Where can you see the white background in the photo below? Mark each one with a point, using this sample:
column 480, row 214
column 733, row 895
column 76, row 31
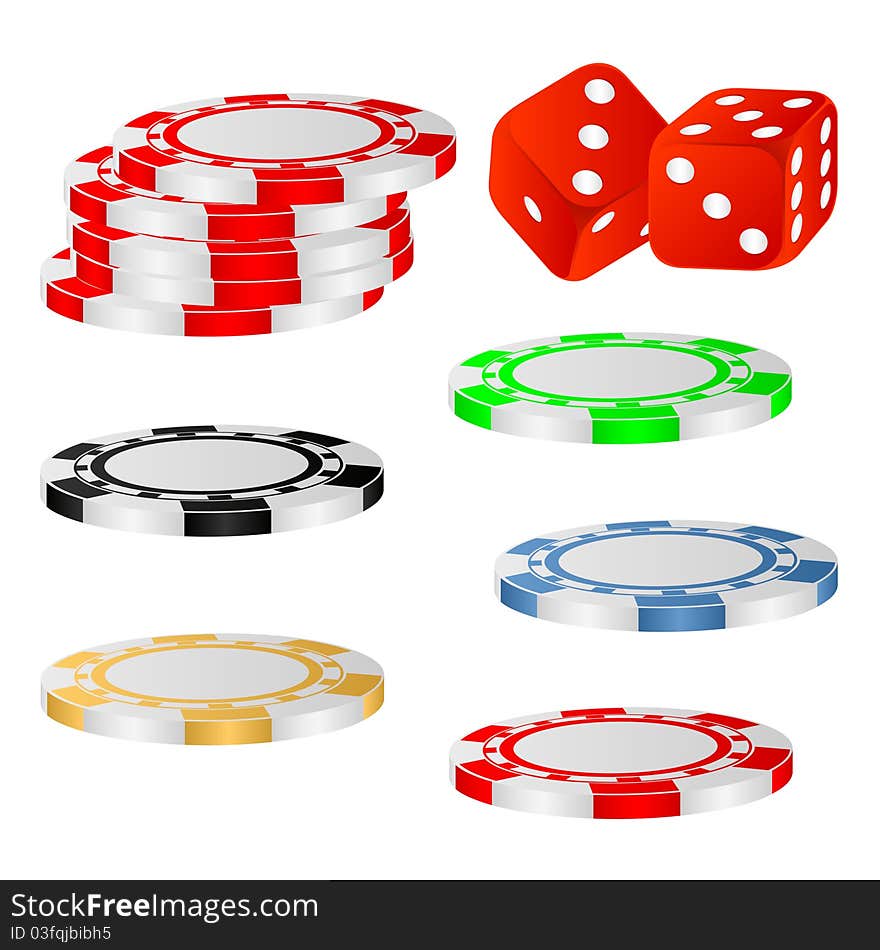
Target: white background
column 410, row 582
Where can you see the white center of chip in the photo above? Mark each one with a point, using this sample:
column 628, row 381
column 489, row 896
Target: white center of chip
column 277, row 133
column 225, row 673
column 206, row 465
column 660, row 560
column 614, row 372
column 615, row 747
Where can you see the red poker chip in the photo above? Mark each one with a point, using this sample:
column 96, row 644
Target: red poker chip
column 621, row 763
column 65, row 294
column 284, row 148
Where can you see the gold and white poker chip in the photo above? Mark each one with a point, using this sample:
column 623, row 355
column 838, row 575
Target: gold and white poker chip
column 212, row 689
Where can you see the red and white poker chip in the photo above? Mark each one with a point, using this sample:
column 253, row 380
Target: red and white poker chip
column 94, row 192
column 621, row 763
column 242, row 260
column 290, row 148
column 65, row 294
column 242, row 295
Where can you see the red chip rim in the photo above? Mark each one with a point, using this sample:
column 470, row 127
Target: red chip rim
column 68, row 296
column 710, row 762
column 408, row 148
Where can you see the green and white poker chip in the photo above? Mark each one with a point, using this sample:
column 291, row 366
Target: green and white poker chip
column 620, row 387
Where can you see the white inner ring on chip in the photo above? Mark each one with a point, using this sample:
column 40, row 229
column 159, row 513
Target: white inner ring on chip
column 615, row 747
column 200, row 675
column 275, row 133
column 205, row 465
column 655, row 560
column 614, row 372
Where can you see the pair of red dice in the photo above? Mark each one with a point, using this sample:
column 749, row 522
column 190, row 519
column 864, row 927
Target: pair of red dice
column 587, row 170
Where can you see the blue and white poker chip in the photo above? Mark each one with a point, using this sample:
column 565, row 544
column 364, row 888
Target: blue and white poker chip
column 666, row 575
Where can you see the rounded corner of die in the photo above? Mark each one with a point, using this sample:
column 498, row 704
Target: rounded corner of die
column 659, row 252
column 825, row 104
column 780, row 259
column 829, row 207
column 829, row 114
column 572, row 276
column 606, row 68
column 662, row 150
column 660, row 142
column 501, row 139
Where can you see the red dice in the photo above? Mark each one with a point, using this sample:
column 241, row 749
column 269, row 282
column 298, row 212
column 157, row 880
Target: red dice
column 569, row 170
column 744, row 179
